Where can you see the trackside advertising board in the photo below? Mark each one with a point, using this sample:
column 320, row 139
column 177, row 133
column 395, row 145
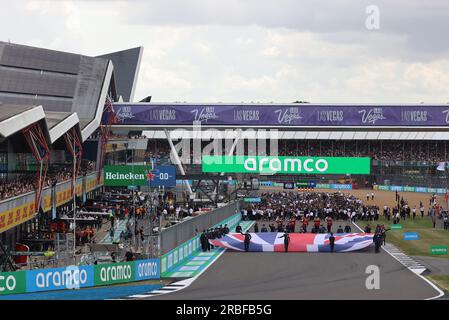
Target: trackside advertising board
column 438, row 250
column 72, row 277
column 114, row 273
column 76, row 277
column 410, row 189
column 12, row 282
column 287, row 165
column 147, row 269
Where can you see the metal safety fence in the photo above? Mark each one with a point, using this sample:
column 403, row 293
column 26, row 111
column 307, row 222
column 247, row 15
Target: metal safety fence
column 175, row 235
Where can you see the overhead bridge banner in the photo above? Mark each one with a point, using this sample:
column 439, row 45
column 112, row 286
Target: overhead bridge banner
column 299, row 242
column 282, row 115
column 286, row 165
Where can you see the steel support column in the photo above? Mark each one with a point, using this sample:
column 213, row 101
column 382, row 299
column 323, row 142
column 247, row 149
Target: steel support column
column 105, row 131
column 75, row 148
column 41, row 152
column 178, row 161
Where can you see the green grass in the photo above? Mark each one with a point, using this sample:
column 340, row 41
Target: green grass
column 428, row 236
column 441, row 280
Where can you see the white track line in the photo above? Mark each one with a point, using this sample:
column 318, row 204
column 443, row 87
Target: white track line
column 440, row 292
column 189, row 281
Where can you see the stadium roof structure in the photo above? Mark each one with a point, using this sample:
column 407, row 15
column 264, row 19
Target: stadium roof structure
column 68, row 90
column 126, row 70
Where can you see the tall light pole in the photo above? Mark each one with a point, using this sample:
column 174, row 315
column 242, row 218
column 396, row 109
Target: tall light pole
column 133, row 195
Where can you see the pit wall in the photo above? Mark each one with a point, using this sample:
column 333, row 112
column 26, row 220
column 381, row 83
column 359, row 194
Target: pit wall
column 410, row 189
column 186, row 250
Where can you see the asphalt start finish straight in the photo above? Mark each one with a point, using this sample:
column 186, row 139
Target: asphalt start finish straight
column 293, row 276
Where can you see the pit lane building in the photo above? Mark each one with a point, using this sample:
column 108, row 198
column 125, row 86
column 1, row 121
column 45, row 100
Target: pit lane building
column 51, row 107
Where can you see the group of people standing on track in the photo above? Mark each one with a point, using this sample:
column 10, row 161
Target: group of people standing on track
column 315, row 212
column 210, row 234
column 289, row 207
column 380, row 236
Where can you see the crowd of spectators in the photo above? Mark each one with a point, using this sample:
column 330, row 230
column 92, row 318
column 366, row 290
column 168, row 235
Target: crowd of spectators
column 423, row 151
column 125, row 136
column 157, row 150
column 117, row 135
column 284, row 206
column 23, row 183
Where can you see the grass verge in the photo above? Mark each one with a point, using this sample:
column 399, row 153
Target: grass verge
column 440, row 280
column 428, row 236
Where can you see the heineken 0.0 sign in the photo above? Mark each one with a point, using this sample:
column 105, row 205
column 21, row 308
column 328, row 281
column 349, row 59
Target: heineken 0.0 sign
column 289, row 165
column 123, row 176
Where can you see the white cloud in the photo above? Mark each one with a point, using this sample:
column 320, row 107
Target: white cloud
column 234, row 51
column 72, row 15
column 271, row 51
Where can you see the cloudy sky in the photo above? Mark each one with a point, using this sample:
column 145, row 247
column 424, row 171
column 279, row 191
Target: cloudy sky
column 255, row 50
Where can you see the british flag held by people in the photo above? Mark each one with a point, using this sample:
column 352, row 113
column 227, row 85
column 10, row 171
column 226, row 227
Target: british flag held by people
column 299, row 242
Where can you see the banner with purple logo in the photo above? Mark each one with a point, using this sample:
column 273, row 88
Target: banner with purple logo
column 281, row 115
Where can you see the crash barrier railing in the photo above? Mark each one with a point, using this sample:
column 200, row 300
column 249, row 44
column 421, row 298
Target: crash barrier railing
column 179, row 233
column 183, row 252
column 75, row 277
column 43, row 263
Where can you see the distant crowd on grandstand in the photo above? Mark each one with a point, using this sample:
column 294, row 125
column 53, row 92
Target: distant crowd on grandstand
column 432, row 152
column 20, row 183
column 423, row 151
column 280, row 212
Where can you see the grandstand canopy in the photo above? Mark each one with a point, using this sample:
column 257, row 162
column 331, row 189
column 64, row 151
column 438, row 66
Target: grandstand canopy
column 59, row 81
column 70, row 89
column 14, row 118
column 126, row 69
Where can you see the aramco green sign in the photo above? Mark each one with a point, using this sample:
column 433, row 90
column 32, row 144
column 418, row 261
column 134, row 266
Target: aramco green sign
column 286, row 165
column 122, row 176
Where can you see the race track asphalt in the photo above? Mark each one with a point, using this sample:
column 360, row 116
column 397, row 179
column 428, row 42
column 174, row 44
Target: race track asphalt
column 273, row 276
column 298, row 276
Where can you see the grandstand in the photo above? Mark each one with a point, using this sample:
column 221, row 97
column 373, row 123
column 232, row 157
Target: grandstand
column 64, row 115
column 407, row 143
column 52, row 142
